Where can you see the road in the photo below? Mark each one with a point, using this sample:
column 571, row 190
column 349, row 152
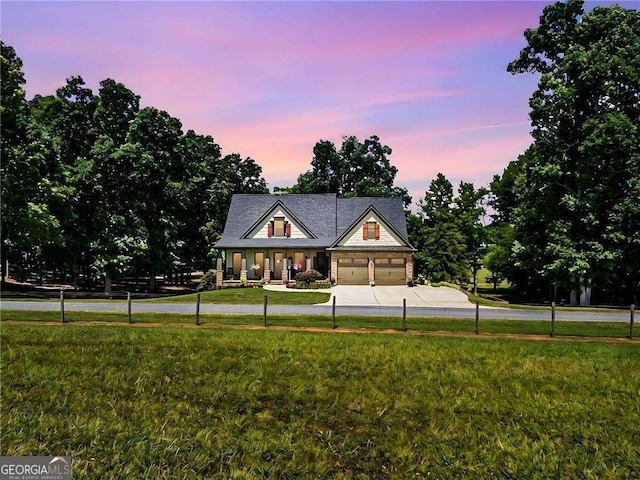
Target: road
column 351, row 310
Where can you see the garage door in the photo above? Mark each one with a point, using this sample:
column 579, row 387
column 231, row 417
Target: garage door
column 390, row 271
column 353, row 271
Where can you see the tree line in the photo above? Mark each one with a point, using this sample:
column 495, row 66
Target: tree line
column 94, row 185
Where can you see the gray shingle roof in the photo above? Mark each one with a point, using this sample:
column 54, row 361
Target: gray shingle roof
column 391, row 208
column 324, row 215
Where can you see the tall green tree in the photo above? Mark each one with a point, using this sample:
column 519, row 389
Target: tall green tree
column 442, row 255
column 28, row 193
column 116, row 107
column 358, row 169
column 586, row 117
column 470, row 211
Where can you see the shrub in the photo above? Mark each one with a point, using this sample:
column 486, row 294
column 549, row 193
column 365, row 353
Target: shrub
column 305, row 285
column 208, row 281
column 308, row 276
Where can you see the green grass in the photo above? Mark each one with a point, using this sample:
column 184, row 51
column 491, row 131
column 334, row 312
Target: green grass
column 180, row 403
column 527, row 327
column 247, row 296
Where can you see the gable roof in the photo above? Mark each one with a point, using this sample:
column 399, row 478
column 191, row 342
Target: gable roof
column 391, row 209
column 323, row 215
column 279, row 206
column 356, row 223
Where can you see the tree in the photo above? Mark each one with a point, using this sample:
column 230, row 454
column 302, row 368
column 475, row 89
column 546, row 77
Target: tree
column 586, row 119
column 116, row 108
column 499, row 253
column 469, row 210
column 442, row 255
column 358, row 169
column 28, row 192
column 505, row 189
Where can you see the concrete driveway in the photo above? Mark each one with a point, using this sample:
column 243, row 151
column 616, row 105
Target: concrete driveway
column 418, row 296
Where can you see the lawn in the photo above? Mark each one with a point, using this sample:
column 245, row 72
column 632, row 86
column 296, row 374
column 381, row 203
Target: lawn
column 527, row 327
column 247, row 296
column 223, row 403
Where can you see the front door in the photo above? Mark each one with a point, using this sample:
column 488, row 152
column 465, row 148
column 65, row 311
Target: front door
column 321, row 263
column 237, row 264
column 278, row 259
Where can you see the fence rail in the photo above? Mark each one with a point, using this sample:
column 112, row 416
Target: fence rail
column 400, row 318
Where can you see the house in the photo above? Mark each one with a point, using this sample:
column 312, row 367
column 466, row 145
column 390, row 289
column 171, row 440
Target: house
column 352, row 241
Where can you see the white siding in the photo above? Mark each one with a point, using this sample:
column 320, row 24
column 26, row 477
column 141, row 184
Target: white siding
column 262, row 231
column 387, row 238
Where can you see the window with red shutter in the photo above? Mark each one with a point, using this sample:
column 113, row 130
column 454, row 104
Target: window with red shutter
column 377, row 231
column 270, row 229
column 371, row 230
column 288, row 229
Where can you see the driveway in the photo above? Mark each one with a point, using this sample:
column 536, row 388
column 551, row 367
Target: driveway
column 387, row 296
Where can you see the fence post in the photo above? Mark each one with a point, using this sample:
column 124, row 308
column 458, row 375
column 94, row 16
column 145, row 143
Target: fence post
column 198, row 308
column 62, row 306
column 553, row 318
column 477, row 317
column 333, row 313
column 265, row 311
column 129, row 306
column 633, row 308
column 404, row 314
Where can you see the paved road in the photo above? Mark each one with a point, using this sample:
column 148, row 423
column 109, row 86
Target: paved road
column 453, row 312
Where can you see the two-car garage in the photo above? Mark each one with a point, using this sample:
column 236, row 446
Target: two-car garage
column 354, row 270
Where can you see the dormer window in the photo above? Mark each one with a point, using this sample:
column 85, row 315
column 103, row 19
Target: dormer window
column 279, row 227
column 371, row 231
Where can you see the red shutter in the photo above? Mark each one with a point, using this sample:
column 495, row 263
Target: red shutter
column 377, row 231
column 364, row 232
column 270, row 229
column 288, row 229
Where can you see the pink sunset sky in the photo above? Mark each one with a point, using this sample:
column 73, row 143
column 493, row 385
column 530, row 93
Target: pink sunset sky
column 270, row 79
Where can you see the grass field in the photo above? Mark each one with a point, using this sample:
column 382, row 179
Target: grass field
column 182, row 403
column 527, row 327
column 247, row 296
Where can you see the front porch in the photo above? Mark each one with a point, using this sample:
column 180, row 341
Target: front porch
column 271, row 266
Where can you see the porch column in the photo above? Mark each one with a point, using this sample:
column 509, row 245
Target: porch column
column 372, row 271
column 243, row 272
column 285, row 270
column 334, row 268
column 409, row 268
column 219, row 272
column 308, row 262
column 267, row 270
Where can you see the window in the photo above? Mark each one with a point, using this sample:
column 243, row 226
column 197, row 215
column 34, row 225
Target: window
column 278, row 227
column 237, row 263
column 371, row 231
column 298, row 259
column 259, row 262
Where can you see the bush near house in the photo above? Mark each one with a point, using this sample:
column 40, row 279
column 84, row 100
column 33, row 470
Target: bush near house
column 312, row 285
column 308, row 276
column 208, row 281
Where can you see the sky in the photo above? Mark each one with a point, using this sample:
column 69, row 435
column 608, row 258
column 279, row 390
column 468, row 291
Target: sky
column 270, row 79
